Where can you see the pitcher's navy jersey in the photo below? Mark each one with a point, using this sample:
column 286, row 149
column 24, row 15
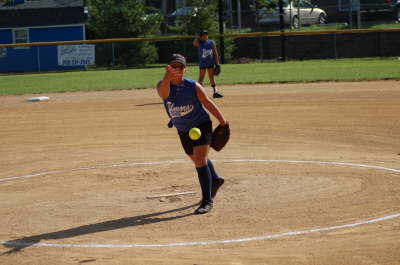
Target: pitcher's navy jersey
column 206, row 53
column 183, row 106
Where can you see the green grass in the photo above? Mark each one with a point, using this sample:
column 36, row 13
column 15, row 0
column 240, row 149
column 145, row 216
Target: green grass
column 384, row 26
column 267, row 72
column 338, row 26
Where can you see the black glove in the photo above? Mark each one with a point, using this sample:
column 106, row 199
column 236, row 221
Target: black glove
column 217, row 69
column 220, row 137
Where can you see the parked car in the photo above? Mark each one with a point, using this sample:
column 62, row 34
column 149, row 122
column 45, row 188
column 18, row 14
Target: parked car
column 180, row 12
column 295, row 13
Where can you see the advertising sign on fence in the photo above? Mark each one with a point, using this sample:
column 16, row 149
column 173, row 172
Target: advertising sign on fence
column 3, row 52
column 76, row 55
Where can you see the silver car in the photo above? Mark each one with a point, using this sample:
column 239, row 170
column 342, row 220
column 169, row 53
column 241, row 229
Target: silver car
column 181, row 12
column 296, row 13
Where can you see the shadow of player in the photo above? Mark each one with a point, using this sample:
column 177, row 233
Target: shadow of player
column 149, row 104
column 24, row 242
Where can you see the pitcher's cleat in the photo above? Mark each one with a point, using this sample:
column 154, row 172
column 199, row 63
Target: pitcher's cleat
column 216, row 186
column 204, row 207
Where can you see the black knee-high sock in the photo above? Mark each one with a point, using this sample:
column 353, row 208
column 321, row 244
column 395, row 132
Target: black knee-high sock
column 205, row 179
column 214, row 173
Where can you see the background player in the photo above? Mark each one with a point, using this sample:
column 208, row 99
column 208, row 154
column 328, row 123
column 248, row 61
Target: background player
column 208, row 57
column 186, row 102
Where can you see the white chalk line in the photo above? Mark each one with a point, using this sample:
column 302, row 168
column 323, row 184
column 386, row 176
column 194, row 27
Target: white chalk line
column 128, row 164
column 194, row 243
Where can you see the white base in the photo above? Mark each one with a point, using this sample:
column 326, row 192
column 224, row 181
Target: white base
column 37, row 99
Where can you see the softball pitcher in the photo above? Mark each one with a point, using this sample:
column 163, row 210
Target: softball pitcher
column 186, row 103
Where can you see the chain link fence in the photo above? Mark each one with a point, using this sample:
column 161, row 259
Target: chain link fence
column 242, row 48
column 313, row 29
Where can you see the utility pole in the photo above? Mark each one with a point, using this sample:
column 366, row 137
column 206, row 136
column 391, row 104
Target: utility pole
column 239, row 14
column 282, row 26
column 221, row 29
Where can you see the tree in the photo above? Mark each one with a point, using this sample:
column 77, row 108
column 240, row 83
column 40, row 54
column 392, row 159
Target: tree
column 125, row 19
column 204, row 16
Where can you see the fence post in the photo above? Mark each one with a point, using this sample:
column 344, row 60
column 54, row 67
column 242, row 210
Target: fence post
column 113, row 53
column 378, row 43
column 334, row 46
column 184, row 47
column 38, row 57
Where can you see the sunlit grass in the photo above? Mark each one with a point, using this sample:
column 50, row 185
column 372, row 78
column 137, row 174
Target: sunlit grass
column 267, row 72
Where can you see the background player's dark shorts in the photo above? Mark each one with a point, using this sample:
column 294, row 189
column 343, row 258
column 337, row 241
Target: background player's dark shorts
column 205, row 138
column 207, row 66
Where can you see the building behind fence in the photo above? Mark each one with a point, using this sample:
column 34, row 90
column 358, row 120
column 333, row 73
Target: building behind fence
column 39, row 21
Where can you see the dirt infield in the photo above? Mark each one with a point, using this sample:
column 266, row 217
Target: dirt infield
column 76, row 173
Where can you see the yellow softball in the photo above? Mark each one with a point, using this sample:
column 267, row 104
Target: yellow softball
column 194, row 133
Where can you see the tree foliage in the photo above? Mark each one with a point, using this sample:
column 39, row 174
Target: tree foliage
column 121, row 18
column 204, row 16
column 125, row 19
column 257, row 4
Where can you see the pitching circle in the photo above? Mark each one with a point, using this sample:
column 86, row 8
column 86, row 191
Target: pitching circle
column 194, row 243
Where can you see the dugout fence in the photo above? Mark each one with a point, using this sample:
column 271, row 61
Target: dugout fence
column 243, row 47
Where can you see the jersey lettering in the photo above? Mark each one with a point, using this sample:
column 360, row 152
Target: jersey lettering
column 179, row 111
column 206, row 53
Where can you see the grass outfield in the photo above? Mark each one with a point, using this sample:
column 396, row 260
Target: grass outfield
column 268, row 72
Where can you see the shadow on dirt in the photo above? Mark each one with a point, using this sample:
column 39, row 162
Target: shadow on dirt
column 21, row 243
